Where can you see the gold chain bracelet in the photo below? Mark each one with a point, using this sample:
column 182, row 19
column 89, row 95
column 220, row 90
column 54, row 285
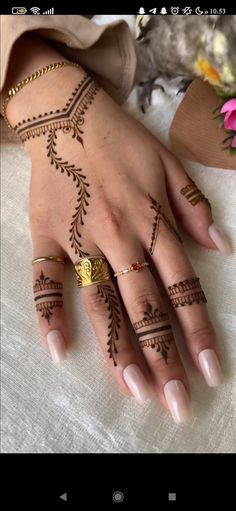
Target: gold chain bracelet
column 13, row 91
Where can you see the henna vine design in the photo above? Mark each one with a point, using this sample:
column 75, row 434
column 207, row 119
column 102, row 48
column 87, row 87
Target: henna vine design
column 82, row 197
column 186, row 292
column 50, row 298
column 68, row 120
column 159, row 216
column 154, row 331
column 110, row 298
column 193, row 195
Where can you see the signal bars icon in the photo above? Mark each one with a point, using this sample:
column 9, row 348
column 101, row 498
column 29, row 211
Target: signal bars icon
column 50, row 11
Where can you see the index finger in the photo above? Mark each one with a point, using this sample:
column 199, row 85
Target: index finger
column 189, row 300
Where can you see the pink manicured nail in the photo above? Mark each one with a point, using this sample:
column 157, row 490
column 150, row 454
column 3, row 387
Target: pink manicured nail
column 219, row 239
column 56, row 345
column 210, row 367
column 136, row 382
column 178, row 401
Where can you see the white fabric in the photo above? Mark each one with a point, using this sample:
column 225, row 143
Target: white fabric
column 76, row 407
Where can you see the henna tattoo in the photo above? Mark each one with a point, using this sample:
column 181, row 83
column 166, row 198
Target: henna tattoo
column 186, row 292
column 193, row 195
column 82, row 197
column 154, row 331
column 68, row 120
column 109, row 295
column 159, row 216
column 53, row 298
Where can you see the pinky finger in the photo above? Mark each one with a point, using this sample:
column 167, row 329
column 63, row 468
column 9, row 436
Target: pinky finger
column 48, row 278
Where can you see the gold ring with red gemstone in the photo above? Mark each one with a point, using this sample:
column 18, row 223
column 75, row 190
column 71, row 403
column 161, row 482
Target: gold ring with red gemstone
column 133, row 267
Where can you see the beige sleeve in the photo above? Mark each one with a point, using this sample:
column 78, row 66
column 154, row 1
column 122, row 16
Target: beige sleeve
column 107, row 51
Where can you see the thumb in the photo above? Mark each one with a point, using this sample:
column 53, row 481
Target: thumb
column 191, row 208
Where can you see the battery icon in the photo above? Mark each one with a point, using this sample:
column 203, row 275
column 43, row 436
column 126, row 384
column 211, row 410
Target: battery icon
column 19, row 10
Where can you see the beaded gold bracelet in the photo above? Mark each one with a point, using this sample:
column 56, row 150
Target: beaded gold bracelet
column 13, row 91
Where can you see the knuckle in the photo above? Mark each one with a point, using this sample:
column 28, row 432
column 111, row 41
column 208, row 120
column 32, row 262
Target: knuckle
column 141, row 301
column 202, row 334
column 110, row 221
column 39, row 218
column 95, row 302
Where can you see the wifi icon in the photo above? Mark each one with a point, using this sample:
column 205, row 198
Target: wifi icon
column 35, row 10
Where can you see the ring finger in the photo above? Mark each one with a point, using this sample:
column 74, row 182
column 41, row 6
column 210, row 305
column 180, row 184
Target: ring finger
column 151, row 323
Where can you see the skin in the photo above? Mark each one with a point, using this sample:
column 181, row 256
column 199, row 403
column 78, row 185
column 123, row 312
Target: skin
column 123, row 163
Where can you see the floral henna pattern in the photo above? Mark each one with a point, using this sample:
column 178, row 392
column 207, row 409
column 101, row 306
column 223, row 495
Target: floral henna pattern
column 110, row 298
column 186, row 292
column 82, row 197
column 48, row 295
column 159, row 216
column 154, row 330
column 68, row 120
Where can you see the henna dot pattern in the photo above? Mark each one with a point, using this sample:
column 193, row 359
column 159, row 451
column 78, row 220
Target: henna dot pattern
column 158, row 218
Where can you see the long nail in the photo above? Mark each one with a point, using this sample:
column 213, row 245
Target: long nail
column 210, row 367
column 136, row 382
column 56, row 345
column 178, row 401
column 220, row 240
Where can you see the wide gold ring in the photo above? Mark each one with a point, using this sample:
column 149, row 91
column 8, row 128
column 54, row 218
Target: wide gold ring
column 92, row 270
column 133, row 267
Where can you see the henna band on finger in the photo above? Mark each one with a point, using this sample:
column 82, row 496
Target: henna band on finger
column 186, row 292
column 48, row 296
column 193, row 195
column 154, row 331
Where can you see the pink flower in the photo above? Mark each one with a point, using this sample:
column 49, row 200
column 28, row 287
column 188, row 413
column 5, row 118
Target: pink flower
column 229, row 109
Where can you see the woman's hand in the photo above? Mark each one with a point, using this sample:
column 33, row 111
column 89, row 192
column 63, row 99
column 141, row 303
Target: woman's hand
column 103, row 185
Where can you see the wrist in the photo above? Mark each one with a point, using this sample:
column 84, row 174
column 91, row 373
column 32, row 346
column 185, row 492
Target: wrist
column 46, row 93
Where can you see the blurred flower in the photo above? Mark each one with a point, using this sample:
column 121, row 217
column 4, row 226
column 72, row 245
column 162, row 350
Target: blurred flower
column 207, row 71
column 228, row 112
column 229, row 109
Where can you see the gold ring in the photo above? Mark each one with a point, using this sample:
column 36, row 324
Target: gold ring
column 92, row 270
column 49, row 258
column 133, row 267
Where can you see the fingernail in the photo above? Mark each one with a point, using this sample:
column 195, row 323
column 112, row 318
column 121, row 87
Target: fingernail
column 210, row 367
column 220, row 240
column 56, row 345
column 136, row 382
column 178, row 401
